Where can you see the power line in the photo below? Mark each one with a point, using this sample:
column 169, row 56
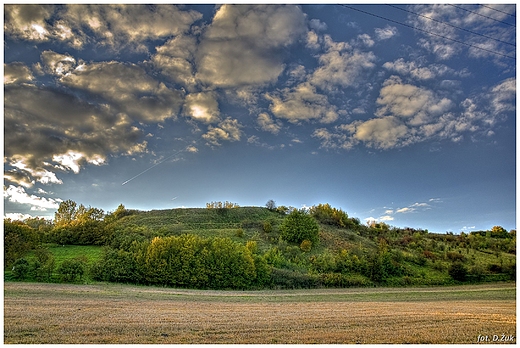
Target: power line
column 428, row 32
column 453, row 26
column 495, row 9
column 481, row 15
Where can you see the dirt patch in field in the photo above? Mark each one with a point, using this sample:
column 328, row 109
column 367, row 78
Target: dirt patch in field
column 50, row 313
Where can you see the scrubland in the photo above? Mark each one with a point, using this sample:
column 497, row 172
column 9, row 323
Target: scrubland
column 113, row 313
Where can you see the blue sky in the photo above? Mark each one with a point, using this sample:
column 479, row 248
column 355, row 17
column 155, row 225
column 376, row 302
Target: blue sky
column 396, row 113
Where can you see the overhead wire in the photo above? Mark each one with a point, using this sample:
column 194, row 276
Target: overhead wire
column 451, row 25
column 481, row 15
column 495, row 9
column 429, row 32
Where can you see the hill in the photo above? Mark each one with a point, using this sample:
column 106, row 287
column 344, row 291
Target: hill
column 226, row 246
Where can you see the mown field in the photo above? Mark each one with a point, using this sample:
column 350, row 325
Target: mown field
column 115, row 313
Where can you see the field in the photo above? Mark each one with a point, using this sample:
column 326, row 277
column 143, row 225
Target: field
column 114, row 313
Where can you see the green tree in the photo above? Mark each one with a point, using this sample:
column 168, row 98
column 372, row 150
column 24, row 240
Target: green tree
column 71, row 270
column 66, row 213
column 329, row 215
column 271, row 205
column 299, row 226
column 18, row 240
column 44, row 264
column 458, row 271
column 21, row 269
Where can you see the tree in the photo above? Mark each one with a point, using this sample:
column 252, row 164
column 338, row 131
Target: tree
column 43, row 264
column 20, row 269
column 458, row 271
column 72, row 269
column 66, row 213
column 329, row 215
column 271, row 205
column 18, row 240
column 299, row 226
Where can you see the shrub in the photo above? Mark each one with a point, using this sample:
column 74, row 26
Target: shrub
column 287, row 279
column 20, row 269
column 458, row 271
column 72, row 269
column 239, row 233
column 329, row 215
column 306, row 245
column 299, row 226
column 44, row 264
column 268, row 228
column 454, row 256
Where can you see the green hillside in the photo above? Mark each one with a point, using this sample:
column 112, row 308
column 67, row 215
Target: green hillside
column 226, row 246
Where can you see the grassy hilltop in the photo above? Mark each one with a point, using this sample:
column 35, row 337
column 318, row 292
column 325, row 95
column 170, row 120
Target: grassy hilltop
column 226, row 246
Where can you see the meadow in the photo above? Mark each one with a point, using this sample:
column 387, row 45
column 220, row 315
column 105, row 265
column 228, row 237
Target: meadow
column 39, row 313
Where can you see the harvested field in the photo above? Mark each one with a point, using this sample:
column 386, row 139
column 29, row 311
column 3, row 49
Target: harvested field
column 108, row 313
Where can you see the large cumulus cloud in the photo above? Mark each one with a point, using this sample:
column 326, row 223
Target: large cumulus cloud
column 244, row 44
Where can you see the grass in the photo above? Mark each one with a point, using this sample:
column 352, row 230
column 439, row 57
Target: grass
column 61, row 253
column 114, row 313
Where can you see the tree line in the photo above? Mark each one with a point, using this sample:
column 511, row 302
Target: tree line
column 366, row 254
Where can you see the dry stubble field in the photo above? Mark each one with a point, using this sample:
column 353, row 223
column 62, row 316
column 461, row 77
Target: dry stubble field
column 108, row 313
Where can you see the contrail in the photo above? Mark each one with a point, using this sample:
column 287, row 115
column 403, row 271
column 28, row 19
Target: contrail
column 155, row 165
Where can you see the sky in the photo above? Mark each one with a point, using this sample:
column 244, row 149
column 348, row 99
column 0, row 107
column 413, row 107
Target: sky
column 403, row 114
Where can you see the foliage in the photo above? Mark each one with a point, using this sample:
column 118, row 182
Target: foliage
column 184, row 261
column 249, row 247
column 299, row 226
column 221, row 205
column 44, row 264
column 326, row 214
column 19, row 238
column 458, row 271
column 20, row 269
column 306, row 245
column 271, row 205
column 71, row 270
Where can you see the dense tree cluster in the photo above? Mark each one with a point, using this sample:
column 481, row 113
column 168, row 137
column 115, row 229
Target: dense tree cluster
column 184, row 261
column 271, row 247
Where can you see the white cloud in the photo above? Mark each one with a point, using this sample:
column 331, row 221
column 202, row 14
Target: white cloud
column 341, row 66
column 57, row 64
column 19, row 195
column 381, row 133
column 267, row 124
column 128, row 88
column 417, row 105
column 72, row 160
column 385, row 33
column 243, row 44
column 15, row 73
column 366, row 40
column 202, row 107
column 17, row 216
column 386, row 218
column 302, row 103
column 175, row 60
column 228, row 130
column 115, row 26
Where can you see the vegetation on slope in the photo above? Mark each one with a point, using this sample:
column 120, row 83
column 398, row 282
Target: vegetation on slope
column 224, row 246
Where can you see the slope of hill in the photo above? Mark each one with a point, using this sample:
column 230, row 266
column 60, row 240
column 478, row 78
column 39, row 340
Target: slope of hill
column 246, row 247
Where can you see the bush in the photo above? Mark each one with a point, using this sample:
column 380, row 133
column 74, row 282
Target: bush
column 21, row 269
column 287, row 279
column 43, row 265
column 299, row 226
column 71, row 270
column 458, row 271
column 306, row 245
column 330, row 216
